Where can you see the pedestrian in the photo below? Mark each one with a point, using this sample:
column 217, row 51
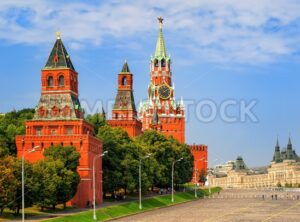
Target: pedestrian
column 263, row 196
column 272, row 196
column 275, row 196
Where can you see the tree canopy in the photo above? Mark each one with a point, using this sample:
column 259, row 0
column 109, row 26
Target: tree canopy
column 12, row 124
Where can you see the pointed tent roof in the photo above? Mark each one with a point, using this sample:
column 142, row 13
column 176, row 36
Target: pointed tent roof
column 277, row 143
column 125, row 67
column 160, row 51
column 290, row 141
column 59, row 57
column 289, row 145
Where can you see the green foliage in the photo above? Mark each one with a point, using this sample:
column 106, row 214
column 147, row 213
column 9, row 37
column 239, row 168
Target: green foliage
column 202, row 176
column 12, row 124
column 10, row 183
column 120, row 166
column 68, row 155
column 49, row 182
column 165, row 151
column 122, row 156
column 68, row 177
column 97, row 120
column 46, row 182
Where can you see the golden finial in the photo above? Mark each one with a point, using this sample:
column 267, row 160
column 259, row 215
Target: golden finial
column 57, row 35
column 160, row 20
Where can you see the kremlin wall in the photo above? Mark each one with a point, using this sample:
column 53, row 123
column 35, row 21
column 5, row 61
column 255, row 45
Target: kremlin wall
column 59, row 118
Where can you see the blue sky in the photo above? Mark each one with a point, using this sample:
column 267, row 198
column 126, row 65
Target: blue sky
column 221, row 51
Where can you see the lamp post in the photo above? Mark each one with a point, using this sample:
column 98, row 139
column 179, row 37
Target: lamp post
column 173, row 164
column 94, row 186
column 140, row 179
column 23, row 180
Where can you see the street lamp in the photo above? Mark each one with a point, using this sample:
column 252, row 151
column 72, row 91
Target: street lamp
column 23, row 182
column 94, row 187
column 173, row 164
column 140, row 179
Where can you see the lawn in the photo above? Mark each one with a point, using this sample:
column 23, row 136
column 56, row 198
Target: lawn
column 125, row 209
column 31, row 211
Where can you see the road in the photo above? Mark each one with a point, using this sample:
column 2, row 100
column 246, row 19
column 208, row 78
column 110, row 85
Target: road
column 229, row 206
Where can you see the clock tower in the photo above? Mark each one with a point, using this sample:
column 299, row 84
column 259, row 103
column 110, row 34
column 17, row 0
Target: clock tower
column 161, row 111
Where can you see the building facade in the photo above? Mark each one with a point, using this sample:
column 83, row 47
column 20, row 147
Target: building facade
column 124, row 113
column 59, row 120
column 161, row 111
column 283, row 171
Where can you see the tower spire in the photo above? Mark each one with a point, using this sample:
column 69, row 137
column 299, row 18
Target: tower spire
column 160, row 51
column 290, row 141
column 59, row 57
column 125, row 67
column 277, row 142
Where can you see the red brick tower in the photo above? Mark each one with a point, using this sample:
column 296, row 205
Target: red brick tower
column 124, row 112
column 200, row 160
column 161, row 96
column 58, row 120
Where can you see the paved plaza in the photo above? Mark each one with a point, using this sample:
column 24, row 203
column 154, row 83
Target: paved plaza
column 230, row 205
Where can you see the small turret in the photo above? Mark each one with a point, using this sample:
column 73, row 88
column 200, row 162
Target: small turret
column 240, row 164
column 277, row 155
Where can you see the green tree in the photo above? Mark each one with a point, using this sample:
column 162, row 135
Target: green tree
column 12, row 124
column 8, row 182
column 165, row 151
column 69, row 177
column 97, row 120
column 46, row 182
column 114, row 140
column 68, row 155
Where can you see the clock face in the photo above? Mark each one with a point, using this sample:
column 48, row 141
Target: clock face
column 164, row 92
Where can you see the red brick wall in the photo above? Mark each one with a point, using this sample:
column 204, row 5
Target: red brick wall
column 200, row 160
column 85, row 144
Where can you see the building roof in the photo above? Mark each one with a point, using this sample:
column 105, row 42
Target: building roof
column 160, row 51
column 125, row 67
column 124, row 98
column 59, row 57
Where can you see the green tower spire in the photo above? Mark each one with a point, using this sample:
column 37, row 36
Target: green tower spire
column 277, row 155
column 125, row 67
column 59, row 57
column 160, row 51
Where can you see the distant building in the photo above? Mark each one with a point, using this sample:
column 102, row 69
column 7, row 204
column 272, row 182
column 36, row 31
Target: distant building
column 284, row 170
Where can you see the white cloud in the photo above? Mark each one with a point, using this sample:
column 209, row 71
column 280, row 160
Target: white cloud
column 216, row 30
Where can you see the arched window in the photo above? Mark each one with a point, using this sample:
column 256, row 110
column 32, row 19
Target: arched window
column 156, row 63
column 163, row 63
column 61, row 80
column 124, row 81
column 50, row 81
